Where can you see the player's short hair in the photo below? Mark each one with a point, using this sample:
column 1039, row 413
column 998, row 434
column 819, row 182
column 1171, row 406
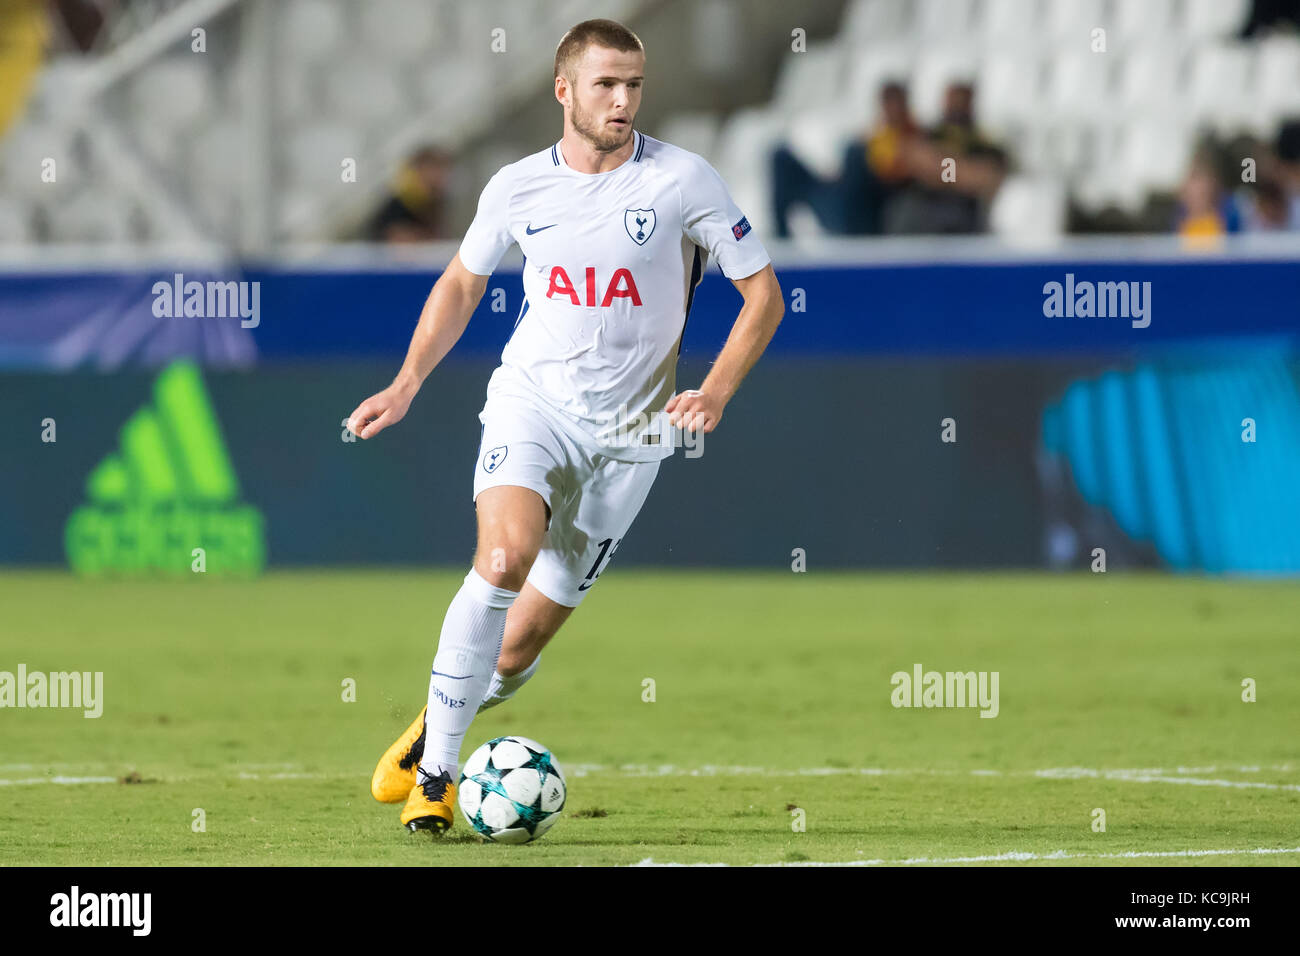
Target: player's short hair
column 607, row 33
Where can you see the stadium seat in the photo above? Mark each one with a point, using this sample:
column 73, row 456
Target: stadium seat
column 1155, row 154
column 1013, row 23
column 1079, row 147
column 91, row 216
column 1009, row 91
column 1028, row 208
column 1070, row 24
column 1081, row 86
column 748, row 137
column 1141, row 27
column 1031, row 145
column 1214, row 19
column 362, row 97
column 312, row 31
column 1220, row 83
column 945, row 20
column 806, row 78
column 301, row 93
column 1277, row 77
column 1100, row 179
column 1152, row 80
column 876, row 21
column 15, row 221
column 818, row 138
column 175, row 93
column 216, row 156
column 744, row 153
column 314, row 153
column 404, row 29
column 471, row 76
column 697, row 132
column 23, row 152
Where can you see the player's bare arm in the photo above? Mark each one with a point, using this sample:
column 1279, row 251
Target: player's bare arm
column 701, row 409
column 446, row 313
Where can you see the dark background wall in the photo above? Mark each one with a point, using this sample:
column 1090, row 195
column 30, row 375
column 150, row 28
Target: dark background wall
column 832, row 445
column 840, row 457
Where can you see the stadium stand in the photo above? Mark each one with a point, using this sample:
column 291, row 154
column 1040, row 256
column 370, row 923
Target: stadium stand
column 1088, row 126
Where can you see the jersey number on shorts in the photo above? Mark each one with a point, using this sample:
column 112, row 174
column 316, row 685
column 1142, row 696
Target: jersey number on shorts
column 605, row 551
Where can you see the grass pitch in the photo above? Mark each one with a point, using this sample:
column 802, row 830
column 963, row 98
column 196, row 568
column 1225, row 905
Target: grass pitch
column 1118, row 692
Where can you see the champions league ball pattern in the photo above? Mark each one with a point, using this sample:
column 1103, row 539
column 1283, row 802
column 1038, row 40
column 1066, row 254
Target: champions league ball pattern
column 511, row 790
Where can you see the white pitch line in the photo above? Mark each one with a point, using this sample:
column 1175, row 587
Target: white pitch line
column 1011, row 856
column 1158, row 776
column 71, row 780
column 1177, row 775
column 720, row 770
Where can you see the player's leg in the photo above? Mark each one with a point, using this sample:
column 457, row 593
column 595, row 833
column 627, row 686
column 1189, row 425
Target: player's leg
column 511, row 525
column 590, row 526
column 522, row 469
column 589, row 523
column 395, row 774
column 533, row 620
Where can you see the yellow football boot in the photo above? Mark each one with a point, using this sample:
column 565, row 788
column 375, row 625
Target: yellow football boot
column 432, row 803
column 395, row 775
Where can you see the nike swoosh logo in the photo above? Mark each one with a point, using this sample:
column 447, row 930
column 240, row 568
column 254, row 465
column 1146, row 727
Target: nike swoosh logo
column 531, row 231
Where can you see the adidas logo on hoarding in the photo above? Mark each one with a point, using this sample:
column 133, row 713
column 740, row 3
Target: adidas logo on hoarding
column 168, row 490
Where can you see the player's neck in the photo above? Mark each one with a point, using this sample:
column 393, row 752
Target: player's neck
column 582, row 157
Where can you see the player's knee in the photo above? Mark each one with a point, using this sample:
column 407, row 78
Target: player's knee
column 505, row 563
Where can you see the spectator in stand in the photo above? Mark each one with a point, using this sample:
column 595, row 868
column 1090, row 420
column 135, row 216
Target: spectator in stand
column 1267, row 209
column 1205, row 213
column 956, row 203
column 872, row 172
column 416, row 211
column 1287, row 154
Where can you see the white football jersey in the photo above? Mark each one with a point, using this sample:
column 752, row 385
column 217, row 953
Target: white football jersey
column 611, row 262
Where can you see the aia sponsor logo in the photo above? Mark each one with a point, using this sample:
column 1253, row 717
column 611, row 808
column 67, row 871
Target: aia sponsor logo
column 621, row 285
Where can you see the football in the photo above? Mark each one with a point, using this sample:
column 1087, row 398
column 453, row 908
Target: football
column 511, row 790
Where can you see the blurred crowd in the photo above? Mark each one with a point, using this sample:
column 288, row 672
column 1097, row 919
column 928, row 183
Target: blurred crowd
column 900, row 179
column 415, row 209
column 1242, row 185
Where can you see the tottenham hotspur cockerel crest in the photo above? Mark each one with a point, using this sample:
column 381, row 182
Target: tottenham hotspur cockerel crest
column 639, row 224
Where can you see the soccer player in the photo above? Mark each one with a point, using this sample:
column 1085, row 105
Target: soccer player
column 616, row 229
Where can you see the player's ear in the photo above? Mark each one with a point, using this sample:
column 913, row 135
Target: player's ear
column 561, row 88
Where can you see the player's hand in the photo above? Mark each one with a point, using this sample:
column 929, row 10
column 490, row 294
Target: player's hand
column 694, row 410
column 379, row 411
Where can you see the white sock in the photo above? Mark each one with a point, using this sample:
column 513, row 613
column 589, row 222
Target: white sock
column 468, row 649
column 503, row 688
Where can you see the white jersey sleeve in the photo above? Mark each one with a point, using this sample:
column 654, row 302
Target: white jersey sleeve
column 712, row 220
column 488, row 236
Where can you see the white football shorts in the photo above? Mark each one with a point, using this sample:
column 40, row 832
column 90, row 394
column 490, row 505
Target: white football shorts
column 592, row 499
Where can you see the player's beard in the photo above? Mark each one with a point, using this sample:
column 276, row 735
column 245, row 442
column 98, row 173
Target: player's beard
column 601, row 138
